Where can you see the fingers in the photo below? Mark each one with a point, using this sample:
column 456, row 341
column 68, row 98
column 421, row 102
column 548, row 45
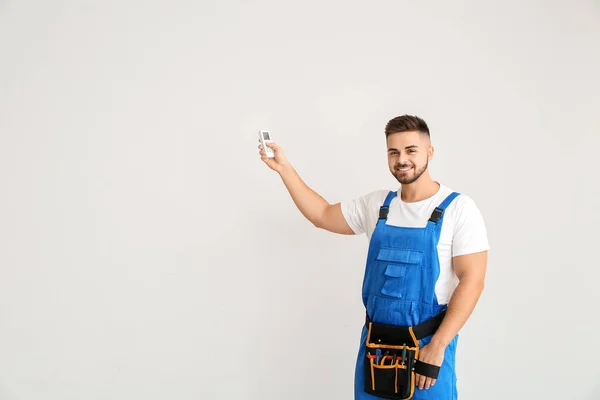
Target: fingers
column 429, row 383
column 261, row 152
column 268, row 144
column 424, row 382
column 419, row 381
column 263, row 155
column 276, row 162
column 272, row 145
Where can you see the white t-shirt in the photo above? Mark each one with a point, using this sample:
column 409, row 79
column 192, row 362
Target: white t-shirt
column 463, row 228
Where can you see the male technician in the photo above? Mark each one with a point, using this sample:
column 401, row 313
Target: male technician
column 427, row 254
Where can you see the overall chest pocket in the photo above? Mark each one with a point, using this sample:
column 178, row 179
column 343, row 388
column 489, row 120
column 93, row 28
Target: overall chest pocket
column 402, row 273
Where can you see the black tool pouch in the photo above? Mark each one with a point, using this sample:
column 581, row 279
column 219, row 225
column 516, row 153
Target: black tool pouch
column 390, row 357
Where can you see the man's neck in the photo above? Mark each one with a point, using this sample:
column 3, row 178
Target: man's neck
column 419, row 190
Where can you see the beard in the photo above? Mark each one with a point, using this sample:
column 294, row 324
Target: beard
column 411, row 175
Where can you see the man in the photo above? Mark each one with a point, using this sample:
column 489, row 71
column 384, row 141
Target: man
column 425, row 269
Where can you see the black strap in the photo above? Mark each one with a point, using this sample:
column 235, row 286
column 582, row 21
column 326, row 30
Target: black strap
column 424, row 329
column 429, row 370
column 383, row 212
column 436, row 215
column 429, row 327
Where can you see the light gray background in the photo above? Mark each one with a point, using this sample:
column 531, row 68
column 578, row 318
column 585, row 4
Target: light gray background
column 147, row 252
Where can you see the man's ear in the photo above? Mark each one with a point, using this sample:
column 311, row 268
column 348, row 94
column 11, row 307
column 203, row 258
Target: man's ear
column 430, row 152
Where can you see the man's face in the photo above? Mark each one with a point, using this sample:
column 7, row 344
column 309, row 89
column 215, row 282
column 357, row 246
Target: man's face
column 408, row 155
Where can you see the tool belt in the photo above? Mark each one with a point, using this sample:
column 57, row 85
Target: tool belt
column 391, row 358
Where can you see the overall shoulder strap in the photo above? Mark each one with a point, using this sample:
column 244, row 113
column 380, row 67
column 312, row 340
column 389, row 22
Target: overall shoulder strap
column 438, row 213
column 385, row 208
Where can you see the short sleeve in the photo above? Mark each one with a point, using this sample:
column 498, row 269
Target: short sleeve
column 357, row 212
column 470, row 233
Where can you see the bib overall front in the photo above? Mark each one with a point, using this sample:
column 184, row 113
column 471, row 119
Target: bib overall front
column 399, row 289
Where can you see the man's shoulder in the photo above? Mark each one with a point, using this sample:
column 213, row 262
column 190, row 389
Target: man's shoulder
column 467, row 225
column 460, row 201
column 367, row 203
column 361, row 212
column 463, row 209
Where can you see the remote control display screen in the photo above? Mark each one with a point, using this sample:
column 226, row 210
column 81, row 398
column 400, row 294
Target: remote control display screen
column 266, row 135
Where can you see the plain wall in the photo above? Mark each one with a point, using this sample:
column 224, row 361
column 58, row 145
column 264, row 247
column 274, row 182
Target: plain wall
column 147, row 252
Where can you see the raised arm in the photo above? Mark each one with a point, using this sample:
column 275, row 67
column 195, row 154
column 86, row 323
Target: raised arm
column 314, row 207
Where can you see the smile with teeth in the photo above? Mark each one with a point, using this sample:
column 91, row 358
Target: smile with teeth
column 404, row 169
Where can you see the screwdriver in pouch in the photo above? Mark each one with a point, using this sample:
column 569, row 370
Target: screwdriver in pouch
column 403, row 355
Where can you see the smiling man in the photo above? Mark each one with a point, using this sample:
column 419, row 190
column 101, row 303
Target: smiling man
column 425, row 267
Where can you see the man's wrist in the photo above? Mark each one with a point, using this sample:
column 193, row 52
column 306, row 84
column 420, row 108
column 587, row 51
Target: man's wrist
column 438, row 343
column 285, row 168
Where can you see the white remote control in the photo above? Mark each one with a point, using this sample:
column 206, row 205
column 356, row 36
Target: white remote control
column 264, row 139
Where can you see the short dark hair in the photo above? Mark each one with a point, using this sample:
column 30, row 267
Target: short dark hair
column 406, row 123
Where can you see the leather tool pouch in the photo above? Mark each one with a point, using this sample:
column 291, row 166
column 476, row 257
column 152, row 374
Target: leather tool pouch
column 390, row 359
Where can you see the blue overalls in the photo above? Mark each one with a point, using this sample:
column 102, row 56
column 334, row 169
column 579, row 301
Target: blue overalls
column 399, row 289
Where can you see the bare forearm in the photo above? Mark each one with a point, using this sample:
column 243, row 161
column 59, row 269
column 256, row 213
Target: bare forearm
column 460, row 307
column 309, row 202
